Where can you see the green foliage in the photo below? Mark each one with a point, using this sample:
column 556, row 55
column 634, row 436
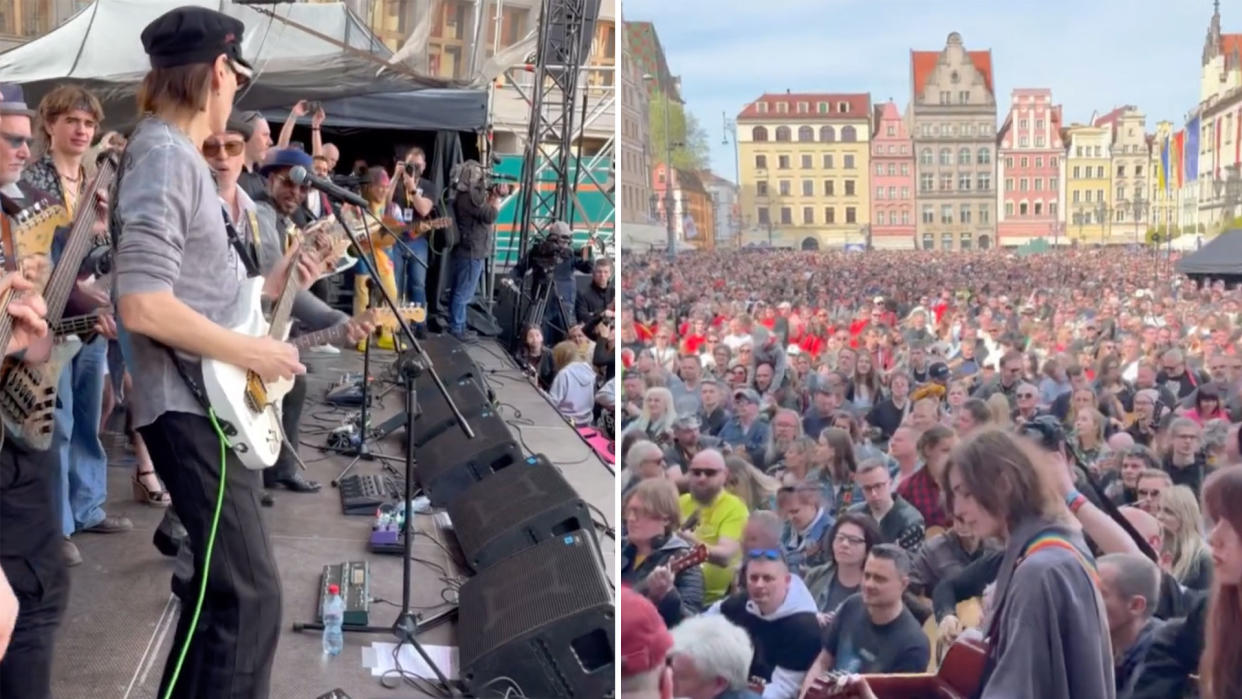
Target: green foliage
column 690, row 151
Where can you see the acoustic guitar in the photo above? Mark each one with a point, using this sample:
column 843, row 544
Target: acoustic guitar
column 679, row 563
column 958, row 678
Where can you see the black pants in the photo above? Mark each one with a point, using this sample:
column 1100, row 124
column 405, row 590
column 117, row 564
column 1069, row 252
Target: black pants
column 30, row 554
column 235, row 642
column 291, row 416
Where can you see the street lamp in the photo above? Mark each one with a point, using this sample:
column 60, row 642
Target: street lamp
column 668, row 177
column 1101, row 216
column 1140, row 207
column 729, row 129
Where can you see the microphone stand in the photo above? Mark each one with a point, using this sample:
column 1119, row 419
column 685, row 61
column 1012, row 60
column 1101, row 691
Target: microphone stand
column 411, row 365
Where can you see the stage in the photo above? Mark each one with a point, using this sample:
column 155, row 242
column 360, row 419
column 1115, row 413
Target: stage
column 118, row 627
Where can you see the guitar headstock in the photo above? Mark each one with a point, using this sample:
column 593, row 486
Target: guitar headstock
column 691, row 558
column 35, row 227
column 384, row 317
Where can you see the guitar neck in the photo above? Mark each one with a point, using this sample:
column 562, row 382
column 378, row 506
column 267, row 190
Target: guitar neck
column 75, row 325
column 327, row 336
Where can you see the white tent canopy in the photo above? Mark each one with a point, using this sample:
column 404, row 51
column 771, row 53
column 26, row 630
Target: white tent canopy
column 1187, row 242
column 101, row 48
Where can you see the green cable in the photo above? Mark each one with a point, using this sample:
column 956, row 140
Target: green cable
column 211, row 543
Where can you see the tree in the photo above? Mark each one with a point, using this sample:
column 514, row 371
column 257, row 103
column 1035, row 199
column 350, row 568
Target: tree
column 690, row 149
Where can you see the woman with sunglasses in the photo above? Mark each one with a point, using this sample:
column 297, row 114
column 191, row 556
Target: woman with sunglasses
column 652, row 518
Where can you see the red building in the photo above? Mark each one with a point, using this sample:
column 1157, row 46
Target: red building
column 892, row 181
column 1031, row 169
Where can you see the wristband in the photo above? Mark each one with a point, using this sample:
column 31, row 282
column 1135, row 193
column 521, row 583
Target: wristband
column 1074, row 500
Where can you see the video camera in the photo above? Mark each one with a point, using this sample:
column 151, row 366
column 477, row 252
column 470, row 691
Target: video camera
column 551, row 250
column 471, row 176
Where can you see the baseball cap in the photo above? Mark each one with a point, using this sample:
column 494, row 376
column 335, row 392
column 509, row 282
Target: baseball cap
column 645, row 640
column 748, row 394
column 939, row 371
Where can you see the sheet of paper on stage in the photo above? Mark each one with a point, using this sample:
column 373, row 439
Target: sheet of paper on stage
column 378, row 658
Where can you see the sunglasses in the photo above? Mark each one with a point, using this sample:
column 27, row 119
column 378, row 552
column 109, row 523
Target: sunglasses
column 1148, row 493
column 765, row 554
column 703, row 472
column 288, row 182
column 231, row 148
column 16, row 141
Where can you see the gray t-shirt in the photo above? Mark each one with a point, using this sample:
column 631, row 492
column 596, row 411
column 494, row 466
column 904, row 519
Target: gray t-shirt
column 172, row 239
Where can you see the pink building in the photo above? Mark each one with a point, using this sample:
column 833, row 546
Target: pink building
column 892, row 181
column 1031, row 164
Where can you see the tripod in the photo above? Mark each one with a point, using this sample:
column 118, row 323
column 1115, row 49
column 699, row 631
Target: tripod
column 411, row 365
column 543, row 291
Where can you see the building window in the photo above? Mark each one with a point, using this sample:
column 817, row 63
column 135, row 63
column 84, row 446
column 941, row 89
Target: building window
column 850, row 216
column 984, row 182
column 848, row 158
column 828, row 188
column 946, row 213
column 1039, row 124
column 963, row 182
column 892, row 169
column 946, row 182
column 879, row 169
column 1088, row 195
column 849, row 188
column 782, row 162
column 759, row 133
column 890, row 131
column 803, row 108
column 944, row 96
column 905, row 193
column 1052, row 184
column 762, row 216
column 879, row 192
column 828, row 161
column 808, row 161
column 1121, row 170
column 1075, row 171
column 1121, row 192
column 761, row 162
column 985, row 156
column 1052, row 208
column 1039, row 184
column 925, row 157
column 892, row 192
column 830, row 215
column 963, row 97
column 1022, row 162
column 1099, row 172
column 1039, row 208
column 946, row 157
column 786, row 216
column 782, row 133
column 785, row 187
column 984, row 215
column 946, row 241
column 929, row 213
column 808, row 188
column 1022, row 208
column 1052, row 162
column 1022, row 184
column 782, row 107
column 761, row 188
column 823, row 107
column 1008, row 209
column 808, row 214
column 1009, row 162
column 843, row 107
column 965, row 213
column 1099, row 193
column 1138, row 170
column 929, row 241
column 1075, row 196
column 1008, row 184
column 1039, row 161
column 827, row 134
column 963, row 156
column 905, row 167
column 806, row 133
column 966, row 241
column 848, row 133
column 926, row 181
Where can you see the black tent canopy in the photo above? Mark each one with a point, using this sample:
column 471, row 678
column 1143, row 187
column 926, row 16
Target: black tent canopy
column 1220, row 258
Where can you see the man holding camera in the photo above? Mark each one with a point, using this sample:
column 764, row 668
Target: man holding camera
column 476, row 206
column 416, row 198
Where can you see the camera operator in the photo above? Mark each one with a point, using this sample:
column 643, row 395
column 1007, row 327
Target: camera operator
column 475, row 206
column 416, row 198
column 554, row 256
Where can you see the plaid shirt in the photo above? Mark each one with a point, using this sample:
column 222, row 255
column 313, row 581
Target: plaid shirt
column 922, row 491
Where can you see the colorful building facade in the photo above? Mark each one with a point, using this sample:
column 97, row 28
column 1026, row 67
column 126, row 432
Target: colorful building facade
column 804, row 164
column 1030, row 169
column 1088, row 183
column 1130, row 173
column 893, row 208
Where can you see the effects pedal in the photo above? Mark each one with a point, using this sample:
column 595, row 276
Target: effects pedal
column 354, row 580
column 363, row 494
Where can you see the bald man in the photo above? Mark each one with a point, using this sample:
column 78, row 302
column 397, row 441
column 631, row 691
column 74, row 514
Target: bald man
column 1174, row 599
column 715, row 517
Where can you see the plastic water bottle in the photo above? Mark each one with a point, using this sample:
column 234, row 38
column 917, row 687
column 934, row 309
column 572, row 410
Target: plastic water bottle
column 333, row 616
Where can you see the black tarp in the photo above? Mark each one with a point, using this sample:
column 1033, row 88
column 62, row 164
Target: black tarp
column 1220, row 258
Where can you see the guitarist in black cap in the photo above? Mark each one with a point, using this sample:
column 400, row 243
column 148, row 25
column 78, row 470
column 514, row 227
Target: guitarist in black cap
column 179, row 283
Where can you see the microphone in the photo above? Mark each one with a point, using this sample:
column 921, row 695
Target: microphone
column 300, row 176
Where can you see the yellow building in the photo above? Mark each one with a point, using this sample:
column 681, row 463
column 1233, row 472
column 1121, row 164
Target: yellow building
column 805, row 165
column 1088, row 183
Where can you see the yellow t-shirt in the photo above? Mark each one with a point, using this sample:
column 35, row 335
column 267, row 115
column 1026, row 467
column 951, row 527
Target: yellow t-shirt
column 726, row 517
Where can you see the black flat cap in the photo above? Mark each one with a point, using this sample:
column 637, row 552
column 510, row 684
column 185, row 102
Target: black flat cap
column 192, row 35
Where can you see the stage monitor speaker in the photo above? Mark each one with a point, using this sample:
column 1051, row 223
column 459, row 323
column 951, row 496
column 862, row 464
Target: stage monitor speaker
column 434, row 414
column 449, row 462
column 452, row 362
column 515, row 510
column 542, row 620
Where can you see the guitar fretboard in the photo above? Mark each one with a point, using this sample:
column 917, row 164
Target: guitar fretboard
column 75, row 325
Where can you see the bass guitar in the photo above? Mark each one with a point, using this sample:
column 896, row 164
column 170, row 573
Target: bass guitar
column 247, row 406
column 28, row 392
column 958, row 678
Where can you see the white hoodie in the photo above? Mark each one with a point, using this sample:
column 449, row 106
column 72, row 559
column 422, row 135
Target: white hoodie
column 573, row 392
column 785, row 683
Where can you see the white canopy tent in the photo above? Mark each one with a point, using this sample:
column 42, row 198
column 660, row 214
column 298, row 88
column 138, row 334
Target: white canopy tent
column 320, row 51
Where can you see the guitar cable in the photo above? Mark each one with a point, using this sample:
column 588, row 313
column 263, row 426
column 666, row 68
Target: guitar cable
column 211, row 542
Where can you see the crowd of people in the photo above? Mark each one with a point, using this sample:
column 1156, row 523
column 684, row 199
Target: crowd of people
column 839, row 466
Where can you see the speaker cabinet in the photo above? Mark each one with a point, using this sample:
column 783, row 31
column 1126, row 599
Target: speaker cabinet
column 540, row 621
column 449, row 462
column 514, row 510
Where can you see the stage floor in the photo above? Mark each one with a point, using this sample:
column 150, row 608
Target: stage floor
column 118, row 627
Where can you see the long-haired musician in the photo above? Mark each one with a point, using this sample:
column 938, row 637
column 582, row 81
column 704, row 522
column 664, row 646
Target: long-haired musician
column 179, row 283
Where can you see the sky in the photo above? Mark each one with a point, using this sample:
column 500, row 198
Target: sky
column 1095, row 55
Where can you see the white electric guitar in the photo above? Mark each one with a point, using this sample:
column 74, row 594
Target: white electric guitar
column 247, row 406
